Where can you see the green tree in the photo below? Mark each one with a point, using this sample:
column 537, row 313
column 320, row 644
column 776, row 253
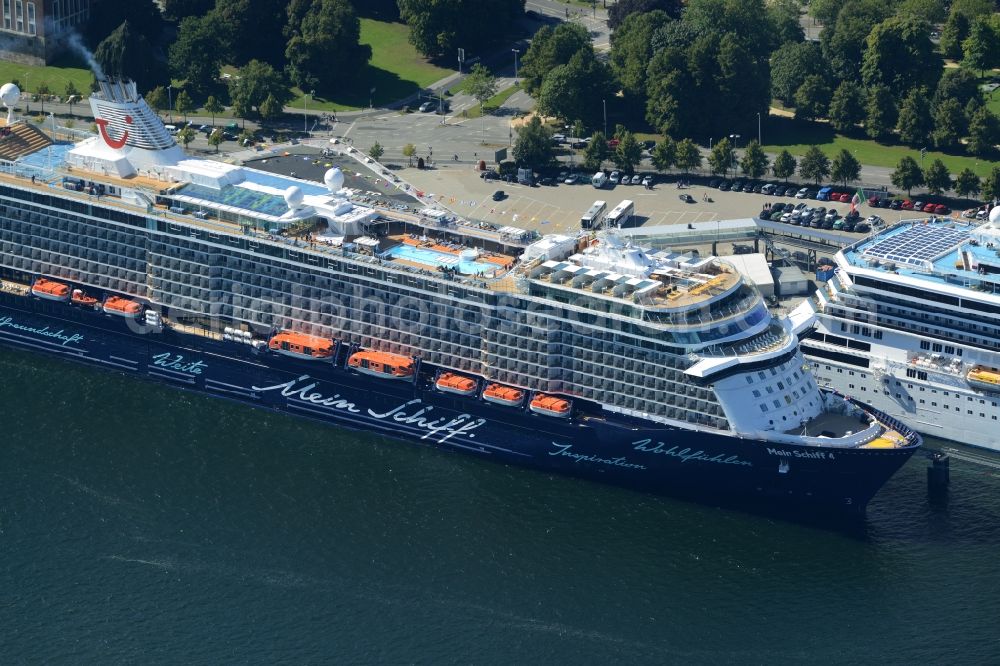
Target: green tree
column 575, row 91
column 937, row 178
column 991, row 184
column 784, row 22
column 812, row 99
column 950, row 124
column 898, row 54
column 71, row 95
column 845, row 167
column 185, row 104
column 907, row 174
column 628, row 152
column 596, row 152
column 178, row 9
column 157, row 98
column 533, row 147
column 688, row 156
column 376, row 151
column 915, row 122
column 957, row 84
column 814, row 165
column 216, row 138
column 984, row 132
column 213, row 107
column 825, row 11
column 196, row 54
column 439, row 27
column 981, row 48
column 329, row 32
column 784, row 165
column 186, row 136
column 791, row 64
column 409, row 150
column 127, row 53
column 847, row 108
column 880, row 113
column 843, row 40
column 235, row 20
column 143, row 17
column 967, row 183
column 551, row 47
column 665, row 154
column 632, row 49
column 621, row 11
column 253, row 84
column 482, row 85
column 723, row 157
column 929, row 11
column 270, row 108
column 754, row 162
column 954, row 33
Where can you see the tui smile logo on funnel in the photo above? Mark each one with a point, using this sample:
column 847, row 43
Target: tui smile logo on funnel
column 102, row 125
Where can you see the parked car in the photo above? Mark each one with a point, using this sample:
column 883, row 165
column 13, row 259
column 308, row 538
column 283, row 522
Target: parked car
column 578, row 144
column 799, row 206
column 895, row 204
column 820, row 211
column 614, row 177
column 787, row 217
column 918, row 205
column 758, row 188
column 875, row 221
column 636, row 179
column 873, row 201
column 831, row 215
column 715, row 182
column 748, row 187
column 737, row 186
column 801, row 194
column 647, row 181
column 764, row 214
column 430, row 105
column 725, row 185
column 546, row 180
column 686, row 198
column 499, row 195
column 559, row 138
column 571, row 179
column 781, row 190
column 862, row 227
column 488, row 174
column 929, row 207
column 844, row 198
column 941, row 209
column 768, row 189
column 906, row 204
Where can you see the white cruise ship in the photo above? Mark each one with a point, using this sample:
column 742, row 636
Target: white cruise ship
column 910, row 323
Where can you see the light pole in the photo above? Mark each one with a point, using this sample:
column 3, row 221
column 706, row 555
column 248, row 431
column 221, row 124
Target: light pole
column 735, row 139
column 515, row 65
column 604, row 103
column 170, row 104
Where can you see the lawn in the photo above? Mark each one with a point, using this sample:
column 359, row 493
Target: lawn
column 797, row 137
column 396, row 71
column 56, row 76
column 493, row 103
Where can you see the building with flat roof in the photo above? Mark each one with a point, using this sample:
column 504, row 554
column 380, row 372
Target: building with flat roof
column 31, row 28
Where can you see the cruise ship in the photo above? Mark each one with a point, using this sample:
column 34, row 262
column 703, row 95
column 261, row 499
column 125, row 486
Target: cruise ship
column 578, row 354
column 909, row 321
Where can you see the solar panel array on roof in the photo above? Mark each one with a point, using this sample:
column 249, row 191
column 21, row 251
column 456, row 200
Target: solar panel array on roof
column 917, row 245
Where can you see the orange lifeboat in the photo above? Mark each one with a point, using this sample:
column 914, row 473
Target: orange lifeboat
column 80, row 298
column 122, row 307
column 50, row 290
column 300, row 345
column 507, row 396
column 382, row 364
column 551, row 406
column 449, row 382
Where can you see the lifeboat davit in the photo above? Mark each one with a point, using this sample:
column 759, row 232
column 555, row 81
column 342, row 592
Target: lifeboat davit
column 382, row 364
column 984, row 378
column 122, row 307
column 301, row 345
column 551, row 406
column 508, row 396
column 449, row 382
column 50, row 290
column 81, row 298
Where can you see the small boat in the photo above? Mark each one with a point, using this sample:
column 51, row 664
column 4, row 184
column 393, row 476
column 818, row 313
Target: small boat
column 301, row 345
column 984, row 378
column 81, row 298
column 508, row 396
column 449, row 382
column 122, row 307
column 382, row 364
column 50, row 290
column 549, row 405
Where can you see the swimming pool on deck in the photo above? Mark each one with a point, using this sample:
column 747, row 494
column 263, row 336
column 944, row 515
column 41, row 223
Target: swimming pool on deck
column 434, row 259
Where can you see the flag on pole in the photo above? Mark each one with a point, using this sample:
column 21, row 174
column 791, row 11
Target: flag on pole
column 856, row 200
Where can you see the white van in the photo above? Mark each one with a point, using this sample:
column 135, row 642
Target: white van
column 171, row 128
column 599, row 179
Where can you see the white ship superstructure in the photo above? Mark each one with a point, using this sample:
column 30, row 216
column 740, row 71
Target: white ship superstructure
column 910, row 323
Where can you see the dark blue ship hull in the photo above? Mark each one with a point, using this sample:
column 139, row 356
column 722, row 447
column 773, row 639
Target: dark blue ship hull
column 604, row 447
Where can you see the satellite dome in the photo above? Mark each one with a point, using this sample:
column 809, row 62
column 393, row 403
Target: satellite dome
column 334, row 179
column 9, row 94
column 293, row 196
column 995, row 215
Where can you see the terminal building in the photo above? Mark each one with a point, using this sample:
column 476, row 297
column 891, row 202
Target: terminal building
column 31, row 28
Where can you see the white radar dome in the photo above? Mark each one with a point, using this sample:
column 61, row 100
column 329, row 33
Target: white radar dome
column 9, row 94
column 334, row 179
column 995, row 215
column 293, row 196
